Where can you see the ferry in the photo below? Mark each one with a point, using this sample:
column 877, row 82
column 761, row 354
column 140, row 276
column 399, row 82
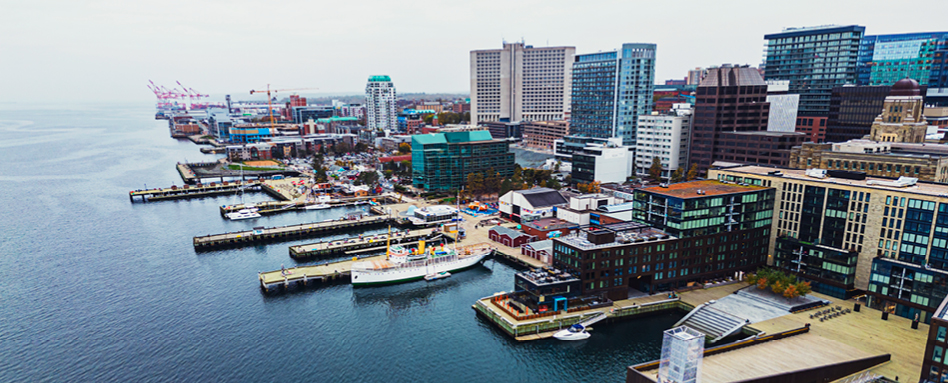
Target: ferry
column 404, row 265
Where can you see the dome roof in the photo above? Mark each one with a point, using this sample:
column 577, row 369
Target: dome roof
column 905, row 87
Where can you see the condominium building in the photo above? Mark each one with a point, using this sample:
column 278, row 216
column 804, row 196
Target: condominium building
column 521, row 83
column 542, row 134
column 380, row 104
column 610, row 90
column 885, row 59
column 443, row 161
column 730, row 123
column 814, row 60
column 690, row 231
column 848, row 233
column 666, row 136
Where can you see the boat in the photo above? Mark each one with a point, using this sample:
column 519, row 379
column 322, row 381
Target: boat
column 403, row 265
column 436, row 276
column 243, row 214
column 574, row 332
column 317, row 206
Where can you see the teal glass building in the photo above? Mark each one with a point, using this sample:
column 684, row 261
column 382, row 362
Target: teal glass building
column 443, row 161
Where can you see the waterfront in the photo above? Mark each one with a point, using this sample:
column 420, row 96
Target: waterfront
column 96, row 288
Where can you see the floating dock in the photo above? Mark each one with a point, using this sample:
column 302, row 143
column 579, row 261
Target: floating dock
column 305, row 274
column 366, row 243
column 283, row 233
column 194, row 191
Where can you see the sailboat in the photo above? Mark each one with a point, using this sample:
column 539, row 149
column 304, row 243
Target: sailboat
column 247, row 212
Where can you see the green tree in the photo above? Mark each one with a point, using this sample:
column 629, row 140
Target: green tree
column 492, row 182
column 692, row 172
column 341, row 147
column 505, row 186
column 803, row 288
column 677, row 175
column 475, row 183
column 361, row 147
column 466, row 117
column 404, row 148
column 554, row 184
column 655, row 171
column 368, row 178
column 321, row 175
column 556, row 168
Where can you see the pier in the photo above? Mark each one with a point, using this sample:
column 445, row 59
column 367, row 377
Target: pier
column 194, row 191
column 305, row 274
column 283, row 233
column 364, row 244
column 273, row 207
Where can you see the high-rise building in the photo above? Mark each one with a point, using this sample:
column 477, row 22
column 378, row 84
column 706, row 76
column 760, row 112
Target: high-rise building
column 903, row 115
column 443, row 161
column 696, row 75
column 885, row 59
column 814, row 59
column 730, row 123
column 783, row 107
column 610, row 90
column 852, row 110
column 380, row 104
column 665, row 136
column 521, row 83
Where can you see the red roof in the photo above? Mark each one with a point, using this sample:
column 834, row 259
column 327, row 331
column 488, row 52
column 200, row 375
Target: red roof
column 406, row 157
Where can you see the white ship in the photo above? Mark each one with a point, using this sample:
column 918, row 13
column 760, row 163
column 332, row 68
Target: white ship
column 243, row 214
column 404, row 265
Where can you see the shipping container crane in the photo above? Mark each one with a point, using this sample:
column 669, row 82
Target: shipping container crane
column 270, row 99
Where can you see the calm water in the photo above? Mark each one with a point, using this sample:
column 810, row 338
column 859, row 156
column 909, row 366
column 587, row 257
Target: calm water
column 95, row 288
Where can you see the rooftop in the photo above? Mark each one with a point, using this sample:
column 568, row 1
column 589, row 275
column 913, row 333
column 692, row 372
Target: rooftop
column 547, row 276
column 379, row 78
column 541, row 245
column 924, row 188
column 639, row 234
column 512, row 233
column 707, row 188
column 542, row 197
column 550, row 223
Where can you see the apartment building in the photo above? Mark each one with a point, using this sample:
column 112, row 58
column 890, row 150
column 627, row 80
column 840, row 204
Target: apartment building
column 666, row 136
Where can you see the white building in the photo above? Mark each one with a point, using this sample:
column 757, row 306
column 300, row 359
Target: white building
column 533, row 203
column 521, row 83
column 666, row 136
column 380, row 106
column 783, row 107
column 581, row 206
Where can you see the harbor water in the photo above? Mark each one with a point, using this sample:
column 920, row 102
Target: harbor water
column 96, row 288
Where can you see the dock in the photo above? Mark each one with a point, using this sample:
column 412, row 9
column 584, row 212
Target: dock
column 194, row 191
column 283, row 233
column 325, row 272
column 274, row 207
column 364, row 244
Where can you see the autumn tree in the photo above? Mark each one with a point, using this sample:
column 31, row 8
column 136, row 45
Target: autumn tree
column 790, row 292
column 475, row 183
column 655, row 171
column 677, row 175
column 778, row 287
column 692, row 172
column 803, row 288
column 404, row 148
column 492, row 182
column 761, row 283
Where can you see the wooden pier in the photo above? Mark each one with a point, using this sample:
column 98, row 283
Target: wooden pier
column 283, row 233
column 193, row 191
column 274, row 207
column 364, row 243
column 304, row 275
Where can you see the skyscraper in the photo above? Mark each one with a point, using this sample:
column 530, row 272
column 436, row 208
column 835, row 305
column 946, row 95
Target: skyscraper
column 885, row 59
column 380, row 104
column 814, row 59
column 521, row 83
column 610, row 91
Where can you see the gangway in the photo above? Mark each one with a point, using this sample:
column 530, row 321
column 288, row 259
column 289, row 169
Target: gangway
column 596, row 319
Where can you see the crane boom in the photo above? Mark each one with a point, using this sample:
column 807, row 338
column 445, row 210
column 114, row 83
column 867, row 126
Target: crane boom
column 270, row 99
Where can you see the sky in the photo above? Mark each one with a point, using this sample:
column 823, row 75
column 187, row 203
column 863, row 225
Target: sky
column 107, row 51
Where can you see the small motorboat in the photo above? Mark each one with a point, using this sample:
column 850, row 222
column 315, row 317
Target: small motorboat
column 436, row 276
column 318, row 206
column 574, row 332
column 243, row 214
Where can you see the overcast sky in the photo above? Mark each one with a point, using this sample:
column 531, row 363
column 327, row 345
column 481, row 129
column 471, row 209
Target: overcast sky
column 108, row 50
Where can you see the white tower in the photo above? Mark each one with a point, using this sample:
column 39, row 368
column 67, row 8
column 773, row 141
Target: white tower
column 682, row 351
column 380, row 106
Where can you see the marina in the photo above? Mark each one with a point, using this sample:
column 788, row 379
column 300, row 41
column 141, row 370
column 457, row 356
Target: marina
column 284, row 233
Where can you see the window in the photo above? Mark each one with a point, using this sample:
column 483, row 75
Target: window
column 937, row 354
column 941, row 334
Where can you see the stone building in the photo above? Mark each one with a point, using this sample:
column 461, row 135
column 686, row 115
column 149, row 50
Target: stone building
column 877, row 159
column 541, row 134
column 902, row 118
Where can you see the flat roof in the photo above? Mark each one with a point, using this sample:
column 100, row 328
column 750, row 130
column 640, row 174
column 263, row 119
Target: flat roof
column 645, row 234
column 926, row 188
column 707, row 187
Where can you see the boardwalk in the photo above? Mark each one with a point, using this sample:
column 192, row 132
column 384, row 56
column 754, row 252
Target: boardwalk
column 243, row 238
column 305, row 274
column 361, row 242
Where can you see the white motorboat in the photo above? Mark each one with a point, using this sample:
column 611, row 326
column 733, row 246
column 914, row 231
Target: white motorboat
column 243, row 214
column 318, row 206
column 436, row 276
column 574, row 332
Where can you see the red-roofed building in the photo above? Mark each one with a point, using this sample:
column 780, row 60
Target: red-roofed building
column 406, row 157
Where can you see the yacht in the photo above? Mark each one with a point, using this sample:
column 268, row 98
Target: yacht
column 574, row 332
column 404, row 265
column 317, row 206
column 243, row 214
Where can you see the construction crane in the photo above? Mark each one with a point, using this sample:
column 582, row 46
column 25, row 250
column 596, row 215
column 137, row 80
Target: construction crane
column 270, row 99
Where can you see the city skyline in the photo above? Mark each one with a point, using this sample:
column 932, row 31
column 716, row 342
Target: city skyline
column 112, row 49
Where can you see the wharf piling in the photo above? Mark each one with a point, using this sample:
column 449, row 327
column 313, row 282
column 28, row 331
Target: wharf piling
column 363, row 243
column 283, row 233
column 194, row 191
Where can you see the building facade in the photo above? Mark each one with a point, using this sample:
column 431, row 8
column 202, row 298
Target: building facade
column 814, row 60
column 442, row 161
column 610, row 90
column 934, row 363
column 783, row 107
column 542, row 134
column 380, row 105
column 521, row 83
column 814, row 127
column 873, row 158
column 603, row 162
column 886, row 59
column 847, row 233
column 731, row 118
column 852, row 110
column 903, row 115
column 666, row 136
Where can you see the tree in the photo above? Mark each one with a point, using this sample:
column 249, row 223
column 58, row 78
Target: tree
column 542, row 183
column 361, row 147
column 368, row 178
column 751, row 279
column 790, row 292
column 778, row 287
column 594, row 187
column 692, row 172
column 803, row 288
column 341, row 147
column 466, row 117
column 554, row 184
column 655, row 171
column 475, row 183
column 505, row 186
column 321, row 175
column 492, row 182
column 404, row 148
column 677, row 175
column 556, row 168
column 761, row 283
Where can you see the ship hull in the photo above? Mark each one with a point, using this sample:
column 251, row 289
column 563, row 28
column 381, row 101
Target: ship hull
column 400, row 275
